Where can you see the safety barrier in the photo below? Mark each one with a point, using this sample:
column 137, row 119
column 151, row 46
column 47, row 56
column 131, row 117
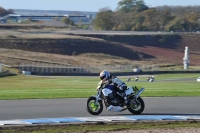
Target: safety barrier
column 5, row 73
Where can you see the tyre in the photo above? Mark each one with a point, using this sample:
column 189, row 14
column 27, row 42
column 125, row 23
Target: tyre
column 137, row 108
column 92, row 108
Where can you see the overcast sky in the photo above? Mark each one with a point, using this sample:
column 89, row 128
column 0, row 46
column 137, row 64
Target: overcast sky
column 84, row 5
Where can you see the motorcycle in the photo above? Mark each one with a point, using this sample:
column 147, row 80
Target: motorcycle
column 114, row 102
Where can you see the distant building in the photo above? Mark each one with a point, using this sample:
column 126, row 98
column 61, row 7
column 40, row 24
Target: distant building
column 18, row 18
column 3, row 21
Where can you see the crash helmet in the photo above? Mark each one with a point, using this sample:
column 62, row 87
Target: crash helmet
column 104, row 75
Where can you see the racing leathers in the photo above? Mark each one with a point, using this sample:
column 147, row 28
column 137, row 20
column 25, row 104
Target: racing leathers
column 120, row 85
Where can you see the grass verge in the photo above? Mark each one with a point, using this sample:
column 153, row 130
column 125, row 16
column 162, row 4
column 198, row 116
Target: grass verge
column 34, row 87
column 100, row 126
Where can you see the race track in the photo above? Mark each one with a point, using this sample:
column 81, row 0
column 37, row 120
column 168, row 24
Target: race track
column 54, row 108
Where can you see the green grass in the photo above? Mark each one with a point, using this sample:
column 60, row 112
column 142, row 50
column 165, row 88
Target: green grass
column 30, row 87
column 65, row 128
column 33, row 87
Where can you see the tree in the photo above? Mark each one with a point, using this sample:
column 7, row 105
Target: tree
column 4, row 12
column 56, row 18
column 104, row 19
column 178, row 24
column 151, row 21
column 135, row 15
column 10, row 11
column 140, row 6
column 131, row 6
column 66, row 20
column 192, row 16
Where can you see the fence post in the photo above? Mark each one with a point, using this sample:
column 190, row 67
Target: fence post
column 42, row 68
column 0, row 67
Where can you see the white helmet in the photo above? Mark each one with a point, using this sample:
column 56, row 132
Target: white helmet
column 104, row 75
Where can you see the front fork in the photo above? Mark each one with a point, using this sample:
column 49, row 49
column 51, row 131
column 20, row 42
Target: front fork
column 97, row 98
column 135, row 97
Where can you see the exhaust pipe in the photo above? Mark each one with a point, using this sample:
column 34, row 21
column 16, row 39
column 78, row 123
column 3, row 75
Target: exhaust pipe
column 139, row 93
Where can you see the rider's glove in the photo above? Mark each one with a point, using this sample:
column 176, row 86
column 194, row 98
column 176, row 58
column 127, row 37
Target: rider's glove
column 123, row 94
column 122, row 87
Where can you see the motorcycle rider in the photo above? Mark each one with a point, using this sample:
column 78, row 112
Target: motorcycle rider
column 108, row 79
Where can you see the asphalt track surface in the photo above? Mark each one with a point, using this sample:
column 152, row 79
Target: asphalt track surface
column 56, row 108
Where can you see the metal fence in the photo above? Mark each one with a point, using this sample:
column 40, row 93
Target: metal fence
column 33, row 68
column 50, row 69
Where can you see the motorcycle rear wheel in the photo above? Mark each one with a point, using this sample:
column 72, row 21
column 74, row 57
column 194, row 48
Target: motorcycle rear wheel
column 92, row 108
column 137, row 108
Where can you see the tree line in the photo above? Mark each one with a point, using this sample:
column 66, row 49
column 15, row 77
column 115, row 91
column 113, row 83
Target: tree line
column 135, row 15
column 4, row 12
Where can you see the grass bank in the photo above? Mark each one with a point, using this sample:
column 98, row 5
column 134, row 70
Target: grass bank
column 35, row 87
column 106, row 127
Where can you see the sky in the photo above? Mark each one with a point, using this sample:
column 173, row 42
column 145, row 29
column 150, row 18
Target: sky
column 84, row 5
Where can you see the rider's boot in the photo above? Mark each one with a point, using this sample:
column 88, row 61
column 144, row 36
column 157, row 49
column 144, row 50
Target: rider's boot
column 127, row 103
column 107, row 102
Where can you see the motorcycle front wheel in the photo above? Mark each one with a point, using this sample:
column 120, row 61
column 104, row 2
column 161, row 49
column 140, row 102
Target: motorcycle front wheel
column 92, row 108
column 137, row 107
